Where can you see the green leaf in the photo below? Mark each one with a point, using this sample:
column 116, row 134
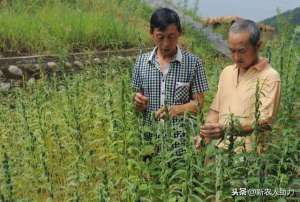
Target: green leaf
column 297, row 29
column 281, row 200
column 147, row 150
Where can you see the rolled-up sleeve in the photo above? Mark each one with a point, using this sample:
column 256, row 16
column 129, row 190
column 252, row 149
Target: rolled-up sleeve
column 270, row 99
column 199, row 83
column 136, row 79
column 215, row 105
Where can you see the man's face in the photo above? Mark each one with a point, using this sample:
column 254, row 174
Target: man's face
column 244, row 54
column 166, row 40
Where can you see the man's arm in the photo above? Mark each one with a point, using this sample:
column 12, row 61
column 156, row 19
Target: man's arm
column 140, row 102
column 212, row 118
column 199, row 85
column 196, row 101
column 214, row 130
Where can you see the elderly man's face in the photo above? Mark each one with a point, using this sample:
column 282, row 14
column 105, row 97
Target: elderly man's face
column 166, row 40
column 244, row 54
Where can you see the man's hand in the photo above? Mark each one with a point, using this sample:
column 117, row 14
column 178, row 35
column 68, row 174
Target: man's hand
column 140, row 102
column 211, row 131
column 161, row 113
column 197, row 141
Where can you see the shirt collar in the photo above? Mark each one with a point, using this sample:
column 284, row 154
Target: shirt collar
column 178, row 56
column 262, row 64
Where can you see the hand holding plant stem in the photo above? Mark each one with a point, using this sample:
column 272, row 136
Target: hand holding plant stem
column 166, row 112
column 140, row 101
column 211, row 130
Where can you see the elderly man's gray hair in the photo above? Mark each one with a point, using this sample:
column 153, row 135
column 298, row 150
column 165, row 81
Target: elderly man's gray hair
column 242, row 25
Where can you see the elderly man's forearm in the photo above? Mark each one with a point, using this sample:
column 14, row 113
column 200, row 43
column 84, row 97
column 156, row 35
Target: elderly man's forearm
column 261, row 126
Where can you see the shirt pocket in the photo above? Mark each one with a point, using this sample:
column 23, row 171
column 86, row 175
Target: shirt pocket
column 182, row 92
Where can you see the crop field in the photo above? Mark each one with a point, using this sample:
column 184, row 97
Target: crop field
column 76, row 136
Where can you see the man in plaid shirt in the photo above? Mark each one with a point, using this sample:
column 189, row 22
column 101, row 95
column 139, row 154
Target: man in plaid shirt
column 168, row 76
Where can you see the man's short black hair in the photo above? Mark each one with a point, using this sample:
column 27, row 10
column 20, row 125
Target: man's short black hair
column 162, row 18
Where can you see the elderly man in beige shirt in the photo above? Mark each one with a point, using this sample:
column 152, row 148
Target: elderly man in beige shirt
column 237, row 88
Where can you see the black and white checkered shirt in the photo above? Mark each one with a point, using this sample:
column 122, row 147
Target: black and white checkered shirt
column 185, row 77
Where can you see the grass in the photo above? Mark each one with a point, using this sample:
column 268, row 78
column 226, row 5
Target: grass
column 56, row 26
column 61, row 27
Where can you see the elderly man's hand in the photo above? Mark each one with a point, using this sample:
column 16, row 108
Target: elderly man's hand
column 212, row 131
column 140, row 102
column 197, row 141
